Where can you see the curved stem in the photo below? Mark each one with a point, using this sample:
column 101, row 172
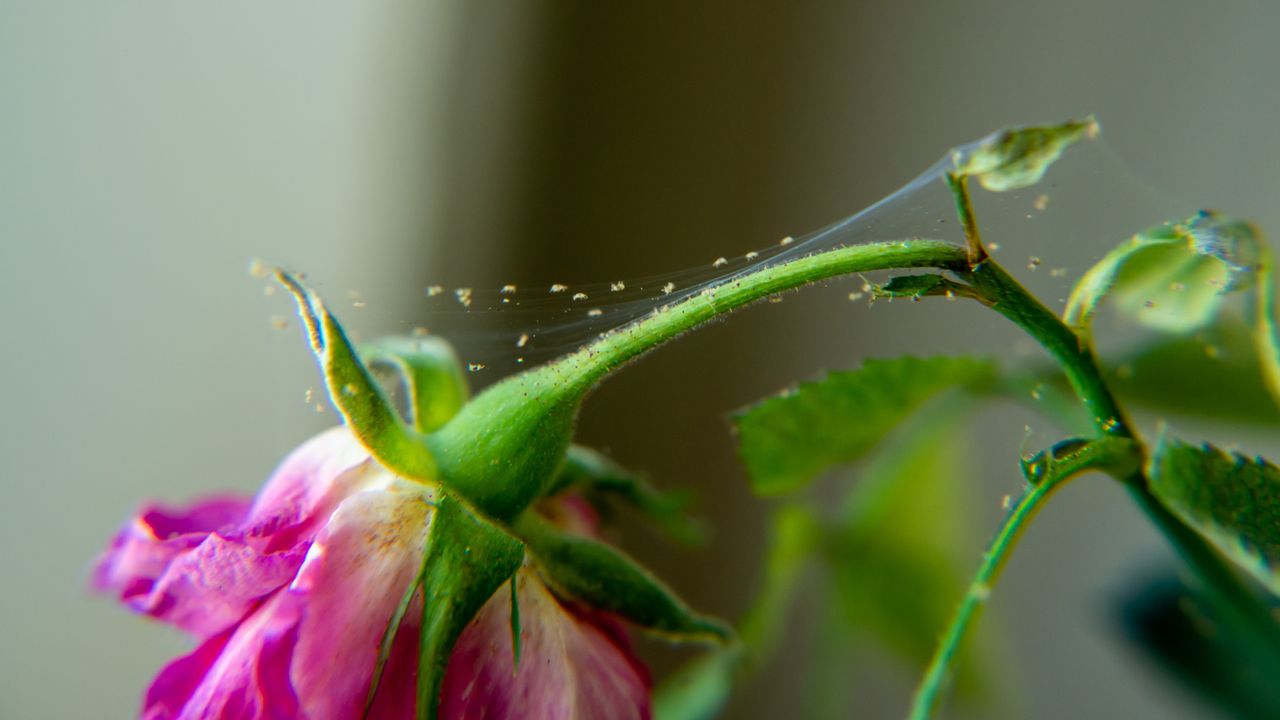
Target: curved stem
column 588, row 365
column 1229, row 591
column 503, row 449
column 1109, row 454
column 1006, row 296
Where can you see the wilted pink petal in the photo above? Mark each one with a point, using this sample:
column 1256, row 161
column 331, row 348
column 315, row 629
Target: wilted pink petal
column 309, row 651
column 356, row 573
column 242, row 674
column 213, row 586
column 293, row 594
column 143, row 549
column 570, row 668
column 149, row 566
column 306, row 488
column 203, row 568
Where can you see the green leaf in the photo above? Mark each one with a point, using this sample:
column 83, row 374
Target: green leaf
column 1171, row 278
column 901, row 549
column 917, row 286
column 1018, row 157
column 356, row 394
column 1214, row 373
column 605, row 578
column 431, row 373
column 467, row 560
column 1228, row 664
column 787, row 440
column 589, row 470
column 1231, row 500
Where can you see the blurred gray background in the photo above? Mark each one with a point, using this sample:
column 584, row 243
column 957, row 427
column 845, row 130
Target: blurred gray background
column 149, row 150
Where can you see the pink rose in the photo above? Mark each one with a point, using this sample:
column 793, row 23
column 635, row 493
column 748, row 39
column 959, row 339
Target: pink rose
column 291, row 593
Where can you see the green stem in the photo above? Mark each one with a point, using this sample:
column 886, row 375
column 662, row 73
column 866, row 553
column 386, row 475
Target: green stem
column 964, row 209
column 504, row 448
column 590, row 364
column 927, row 694
column 1231, row 592
column 1108, row 454
column 1006, row 296
column 994, row 287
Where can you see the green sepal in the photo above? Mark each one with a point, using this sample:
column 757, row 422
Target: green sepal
column 1231, row 500
column 388, row 639
column 786, row 440
column 504, row 448
column 516, row 631
column 467, row 560
column 605, row 578
column 356, row 395
column 1018, row 157
column 1172, row 277
column 589, row 470
column 431, row 374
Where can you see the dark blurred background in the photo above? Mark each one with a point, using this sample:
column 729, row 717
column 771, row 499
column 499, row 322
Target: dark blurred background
column 150, row 150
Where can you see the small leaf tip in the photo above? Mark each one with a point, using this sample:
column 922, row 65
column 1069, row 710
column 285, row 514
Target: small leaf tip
column 310, row 308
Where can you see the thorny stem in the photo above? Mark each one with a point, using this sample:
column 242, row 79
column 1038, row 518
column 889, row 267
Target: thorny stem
column 576, row 373
column 1105, row 454
column 1228, row 591
column 502, row 475
column 995, row 288
column 964, row 208
column 587, row 366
